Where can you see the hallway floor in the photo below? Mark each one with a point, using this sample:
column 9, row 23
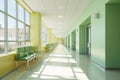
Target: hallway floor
column 63, row 65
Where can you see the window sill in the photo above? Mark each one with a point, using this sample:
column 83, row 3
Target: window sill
column 10, row 53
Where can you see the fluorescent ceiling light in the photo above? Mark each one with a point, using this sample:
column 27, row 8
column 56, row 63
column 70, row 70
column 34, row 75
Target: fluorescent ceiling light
column 60, row 16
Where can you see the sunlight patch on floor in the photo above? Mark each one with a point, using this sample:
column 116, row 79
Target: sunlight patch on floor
column 59, row 60
column 59, row 66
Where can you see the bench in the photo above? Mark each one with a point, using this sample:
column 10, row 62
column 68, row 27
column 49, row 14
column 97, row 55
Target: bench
column 25, row 54
column 49, row 47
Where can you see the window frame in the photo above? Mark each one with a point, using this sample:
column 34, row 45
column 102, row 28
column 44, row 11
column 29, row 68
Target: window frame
column 6, row 15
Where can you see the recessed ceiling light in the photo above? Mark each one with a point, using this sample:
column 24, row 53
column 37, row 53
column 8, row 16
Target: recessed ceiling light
column 60, row 16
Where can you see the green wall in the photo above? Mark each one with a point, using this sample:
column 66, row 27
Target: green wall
column 98, row 34
column 104, row 33
column 73, row 40
column 77, row 40
column 68, row 41
column 113, row 36
column 83, row 36
column 82, row 40
column 97, row 30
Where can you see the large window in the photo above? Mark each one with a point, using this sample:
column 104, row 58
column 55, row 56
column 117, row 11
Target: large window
column 27, row 18
column 11, row 29
column 43, row 35
column 1, row 26
column 14, row 26
column 11, row 46
column 21, row 31
column 2, row 2
column 27, row 33
column 12, row 7
column 20, row 13
column 2, row 47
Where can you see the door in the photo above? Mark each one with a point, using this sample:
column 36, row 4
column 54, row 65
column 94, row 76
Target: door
column 88, row 37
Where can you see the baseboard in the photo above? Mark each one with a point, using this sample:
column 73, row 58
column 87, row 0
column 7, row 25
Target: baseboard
column 112, row 68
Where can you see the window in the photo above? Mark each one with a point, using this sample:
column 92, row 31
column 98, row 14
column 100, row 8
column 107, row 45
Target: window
column 11, row 29
column 11, row 46
column 1, row 33
column 27, row 18
column 12, row 7
column 20, row 13
column 1, row 47
column 43, row 35
column 27, row 35
column 21, row 43
column 27, row 43
column 2, row 2
column 21, row 32
column 1, row 26
column 43, row 38
column 14, row 26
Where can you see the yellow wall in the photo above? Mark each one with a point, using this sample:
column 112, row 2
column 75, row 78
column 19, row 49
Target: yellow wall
column 7, row 63
column 35, row 30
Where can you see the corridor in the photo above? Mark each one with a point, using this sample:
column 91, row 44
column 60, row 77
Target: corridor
column 59, row 65
column 63, row 64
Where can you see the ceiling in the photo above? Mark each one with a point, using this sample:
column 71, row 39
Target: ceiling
column 59, row 15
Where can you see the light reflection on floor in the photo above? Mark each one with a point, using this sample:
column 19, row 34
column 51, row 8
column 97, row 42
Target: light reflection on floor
column 58, row 66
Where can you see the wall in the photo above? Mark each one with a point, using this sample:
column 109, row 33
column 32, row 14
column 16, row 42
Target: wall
column 83, row 36
column 97, row 30
column 7, row 63
column 113, row 36
column 35, row 30
column 68, row 41
column 82, row 40
column 77, row 40
column 73, row 40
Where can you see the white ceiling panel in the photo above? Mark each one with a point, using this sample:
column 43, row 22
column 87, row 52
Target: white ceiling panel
column 70, row 10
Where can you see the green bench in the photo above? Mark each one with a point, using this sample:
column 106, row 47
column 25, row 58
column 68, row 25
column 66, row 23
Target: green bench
column 50, row 47
column 25, row 54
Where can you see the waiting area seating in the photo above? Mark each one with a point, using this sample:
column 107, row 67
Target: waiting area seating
column 50, row 47
column 25, row 54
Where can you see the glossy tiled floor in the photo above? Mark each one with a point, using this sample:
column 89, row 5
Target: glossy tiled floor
column 63, row 65
column 94, row 71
